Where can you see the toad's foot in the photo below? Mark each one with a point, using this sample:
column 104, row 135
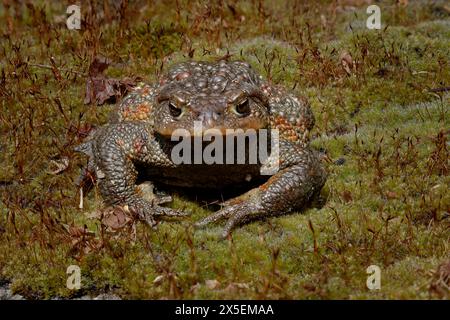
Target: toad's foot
column 237, row 214
column 147, row 211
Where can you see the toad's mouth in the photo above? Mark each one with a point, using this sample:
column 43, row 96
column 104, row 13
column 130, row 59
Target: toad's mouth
column 227, row 146
column 200, row 129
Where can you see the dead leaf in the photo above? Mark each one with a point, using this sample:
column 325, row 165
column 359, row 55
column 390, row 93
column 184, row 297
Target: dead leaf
column 115, row 218
column 194, row 289
column 347, row 196
column 347, row 62
column 58, row 166
column 391, row 195
column 234, row 287
column 100, row 89
column 440, row 285
column 99, row 65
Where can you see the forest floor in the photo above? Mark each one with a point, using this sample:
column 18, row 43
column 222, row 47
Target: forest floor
column 381, row 101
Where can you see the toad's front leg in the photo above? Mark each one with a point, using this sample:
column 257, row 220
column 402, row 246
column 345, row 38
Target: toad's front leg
column 116, row 149
column 300, row 178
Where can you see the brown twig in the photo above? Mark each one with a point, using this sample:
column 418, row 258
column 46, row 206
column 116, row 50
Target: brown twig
column 441, row 89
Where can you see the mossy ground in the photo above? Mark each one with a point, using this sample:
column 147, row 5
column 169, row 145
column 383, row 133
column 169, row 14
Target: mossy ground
column 384, row 114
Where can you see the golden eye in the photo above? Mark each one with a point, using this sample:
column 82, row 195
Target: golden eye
column 174, row 110
column 243, row 108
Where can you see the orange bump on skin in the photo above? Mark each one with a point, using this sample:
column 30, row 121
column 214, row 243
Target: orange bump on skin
column 144, row 107
column 264, row 186
column 141, row 112
column 237, row 200
column 287, row 130
column 146, row 90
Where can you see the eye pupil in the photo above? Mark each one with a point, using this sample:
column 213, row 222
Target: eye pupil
column 243, row 108
column 174, row 111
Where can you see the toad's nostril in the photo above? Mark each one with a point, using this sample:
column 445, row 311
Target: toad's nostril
column 216, row 116
column 209, row 118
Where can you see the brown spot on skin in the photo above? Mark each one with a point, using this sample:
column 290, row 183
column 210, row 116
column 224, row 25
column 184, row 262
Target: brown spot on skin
column 146, row 91
column 267, row 184
column 287, row 130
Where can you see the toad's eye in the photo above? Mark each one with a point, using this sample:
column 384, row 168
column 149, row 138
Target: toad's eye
column 174, row 110
column 243, row 108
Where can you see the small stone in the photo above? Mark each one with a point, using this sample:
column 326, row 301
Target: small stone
column 158, row 280
column 107, row 296
column 212, row 284
column 194, row 289
column 391, row 195
column 340, row 161
column 5, row 293
column 86, row 297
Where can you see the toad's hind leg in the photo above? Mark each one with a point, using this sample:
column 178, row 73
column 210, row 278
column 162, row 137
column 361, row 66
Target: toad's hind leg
column 289, row 189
